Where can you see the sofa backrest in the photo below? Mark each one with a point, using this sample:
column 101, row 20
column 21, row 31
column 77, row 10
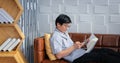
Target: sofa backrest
column 111, row 41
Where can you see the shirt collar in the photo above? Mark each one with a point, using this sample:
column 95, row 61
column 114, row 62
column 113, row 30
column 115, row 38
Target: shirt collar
column 63, row 34
column 60, row 31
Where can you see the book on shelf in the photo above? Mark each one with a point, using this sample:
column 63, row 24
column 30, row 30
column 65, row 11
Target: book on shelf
column 2, row 19
column 91, row 43
column 5, row 43
column 9, row 44
column 13, row 45
column 5, row 17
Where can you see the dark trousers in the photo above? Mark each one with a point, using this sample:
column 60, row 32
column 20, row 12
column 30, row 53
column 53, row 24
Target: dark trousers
column 102, row 55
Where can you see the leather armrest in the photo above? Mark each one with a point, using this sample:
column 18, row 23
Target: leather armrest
column 39, row 50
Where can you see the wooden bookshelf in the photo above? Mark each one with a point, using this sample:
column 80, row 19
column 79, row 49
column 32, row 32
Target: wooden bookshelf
column 14, row 9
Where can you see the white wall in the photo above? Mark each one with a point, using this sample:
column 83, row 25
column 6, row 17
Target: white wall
column 88, row 16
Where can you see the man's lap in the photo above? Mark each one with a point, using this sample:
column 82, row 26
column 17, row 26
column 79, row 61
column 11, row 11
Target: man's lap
column 101, row 55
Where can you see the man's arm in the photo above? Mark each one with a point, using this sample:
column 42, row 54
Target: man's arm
column 67, row 51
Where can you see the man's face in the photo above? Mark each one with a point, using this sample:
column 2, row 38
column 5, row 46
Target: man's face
column 63, row 28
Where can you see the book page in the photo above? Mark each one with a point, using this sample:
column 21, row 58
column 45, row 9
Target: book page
column 92, row 41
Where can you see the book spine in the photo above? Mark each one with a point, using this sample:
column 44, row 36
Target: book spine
column 5, row 43
column 13, row 45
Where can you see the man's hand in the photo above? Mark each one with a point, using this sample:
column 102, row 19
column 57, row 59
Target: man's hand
column 78, row 45
column 86, row 41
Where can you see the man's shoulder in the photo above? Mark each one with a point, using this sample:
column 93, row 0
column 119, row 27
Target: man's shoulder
column 55, row 34
column 55, row 37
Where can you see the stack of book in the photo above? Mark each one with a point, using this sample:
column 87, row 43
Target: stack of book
column 9, row 44
column 5, row 17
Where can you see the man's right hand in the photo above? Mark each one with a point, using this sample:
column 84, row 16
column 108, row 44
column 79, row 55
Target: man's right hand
column 78, row 45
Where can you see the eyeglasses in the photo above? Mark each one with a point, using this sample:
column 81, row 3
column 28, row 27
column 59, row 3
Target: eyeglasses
column 67, row 25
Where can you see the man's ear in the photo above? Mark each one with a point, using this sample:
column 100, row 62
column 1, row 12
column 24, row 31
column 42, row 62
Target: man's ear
column 58, row 24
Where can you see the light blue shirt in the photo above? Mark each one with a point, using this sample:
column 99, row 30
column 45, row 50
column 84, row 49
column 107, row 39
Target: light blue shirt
column 60, row 41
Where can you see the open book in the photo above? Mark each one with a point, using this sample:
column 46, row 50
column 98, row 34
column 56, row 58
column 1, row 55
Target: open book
column 92, row 41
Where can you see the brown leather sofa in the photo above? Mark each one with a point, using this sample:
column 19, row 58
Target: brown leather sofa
column 111, row 41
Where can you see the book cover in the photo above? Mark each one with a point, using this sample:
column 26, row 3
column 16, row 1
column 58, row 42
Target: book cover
column 92, row 41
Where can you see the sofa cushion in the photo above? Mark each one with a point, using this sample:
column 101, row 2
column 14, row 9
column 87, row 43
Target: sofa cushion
column 48, row 47
column 110, row 41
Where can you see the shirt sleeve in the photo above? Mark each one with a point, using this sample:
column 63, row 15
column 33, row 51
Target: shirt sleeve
column 56, row 44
